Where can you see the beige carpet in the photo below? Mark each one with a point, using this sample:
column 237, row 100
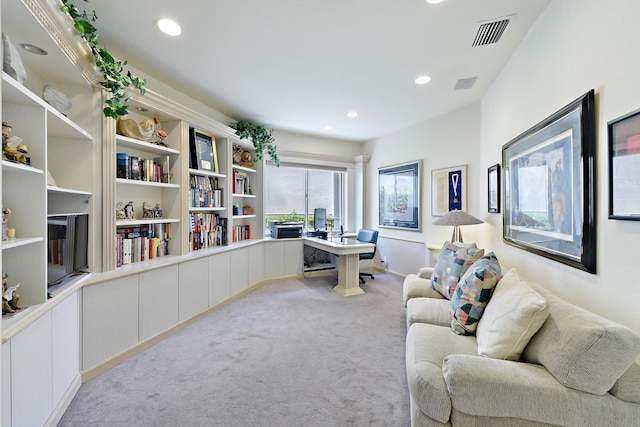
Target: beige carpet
column 292, row 353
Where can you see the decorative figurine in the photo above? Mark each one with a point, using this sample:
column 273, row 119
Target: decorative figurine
column 10, row 298
column 147, row 212
column 120, row 211
column 247, row 159
column 128, row 211
column 12, row 147
column 157, row 212
column 5, row 213
column 141, row 131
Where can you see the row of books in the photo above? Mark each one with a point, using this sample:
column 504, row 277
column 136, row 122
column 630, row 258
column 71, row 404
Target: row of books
column 241, row 232
column 139, row 169
column 135, row 244
column 204, row 192
column 241, row 183
column 207, row 230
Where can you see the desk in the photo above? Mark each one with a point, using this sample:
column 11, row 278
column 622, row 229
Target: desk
column 348, row 250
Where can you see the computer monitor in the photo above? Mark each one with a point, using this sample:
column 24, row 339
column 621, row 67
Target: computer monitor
column 319, row 218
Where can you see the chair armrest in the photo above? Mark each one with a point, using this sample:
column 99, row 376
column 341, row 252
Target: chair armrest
column 526, row 391
column 425, row 272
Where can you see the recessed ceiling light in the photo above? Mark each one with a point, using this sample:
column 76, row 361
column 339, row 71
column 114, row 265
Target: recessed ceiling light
column 423, row 80
column 33, row 49
column 328, row 127
column 169, row 26
column 434, row 1
column 141, row 109
column 352, row 114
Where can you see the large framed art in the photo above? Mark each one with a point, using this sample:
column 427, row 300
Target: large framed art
column 448, row 190
column 399, row 196
column 549, row 187
column 624, row 164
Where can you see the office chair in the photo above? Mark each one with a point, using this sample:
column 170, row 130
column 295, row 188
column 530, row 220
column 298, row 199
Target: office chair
column 367, row 236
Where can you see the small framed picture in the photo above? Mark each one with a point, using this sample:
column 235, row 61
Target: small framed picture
column 624, row 163
column 493, row 189
column 204, row 155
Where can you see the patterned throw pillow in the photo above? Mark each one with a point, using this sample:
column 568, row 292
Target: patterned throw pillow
column 454, row 260
column 473, row 294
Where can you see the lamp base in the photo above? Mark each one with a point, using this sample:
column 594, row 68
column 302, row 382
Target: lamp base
column 457, row 234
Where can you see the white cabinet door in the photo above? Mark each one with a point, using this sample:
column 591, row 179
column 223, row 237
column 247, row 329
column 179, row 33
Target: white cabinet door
column 292, row 257
column 256, row 264
column 239, row 270
column 273, row 259
column 109, row 319
column 6, row 384
column 65, row 332
column 31, row 374
column 158, row 301
column 219, row 277
column 194, row 287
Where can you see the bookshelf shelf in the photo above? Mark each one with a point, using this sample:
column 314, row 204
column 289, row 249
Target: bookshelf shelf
column 9, row 167
column 149, row 147
column 243, row 169
column 220, row 209
column 61, row 190
column 143, row 221
column 206, row 173
column 243, row 216
column 20, row 241
column 125, row 181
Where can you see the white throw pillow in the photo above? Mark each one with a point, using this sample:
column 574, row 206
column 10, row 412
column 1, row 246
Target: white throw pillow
column 514, row 314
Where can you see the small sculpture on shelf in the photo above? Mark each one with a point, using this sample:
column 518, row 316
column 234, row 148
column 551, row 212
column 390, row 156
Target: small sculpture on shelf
column 129, row 213
column 141, row 131
column 5, row 213
column 12, row 147
column 237, row 155
column 10, row 298
column 160, row 135
column 120, row 211
column 147, row 212
column 247, row 159
column 157, row 211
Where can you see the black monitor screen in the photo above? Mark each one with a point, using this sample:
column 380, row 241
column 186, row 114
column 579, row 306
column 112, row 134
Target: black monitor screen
column 319, row 218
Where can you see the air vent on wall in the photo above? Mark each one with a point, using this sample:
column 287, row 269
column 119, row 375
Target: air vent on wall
column 490, row 32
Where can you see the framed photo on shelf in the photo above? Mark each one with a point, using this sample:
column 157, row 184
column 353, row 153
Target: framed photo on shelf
column 493, row 189
column 399, row 196
column 549, row 183
column 448, row 190
column 624, row 164
column 204, row 155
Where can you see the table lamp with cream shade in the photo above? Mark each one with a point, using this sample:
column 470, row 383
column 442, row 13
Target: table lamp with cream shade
column 457, row 218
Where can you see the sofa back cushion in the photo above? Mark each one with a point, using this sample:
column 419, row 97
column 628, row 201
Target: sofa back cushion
column 627, row 387
column 473, row 293
column 453, row 261
column 581, row 349
column 513, row 315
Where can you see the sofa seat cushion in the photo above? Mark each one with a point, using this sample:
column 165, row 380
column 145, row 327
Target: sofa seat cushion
column 627, row 387
column 514, row 313
column 415, row 286
column 453, row 261
column 473, row 293
column 581, row 349
column 428, row 310
column 427, row 346
column 485, row 387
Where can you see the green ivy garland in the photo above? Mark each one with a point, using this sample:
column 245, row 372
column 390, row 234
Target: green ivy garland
column 261, row 137
column 112, row 71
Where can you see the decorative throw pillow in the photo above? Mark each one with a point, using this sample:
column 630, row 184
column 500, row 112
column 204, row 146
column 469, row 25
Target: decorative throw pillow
column 454, row 260
column 473, row 294
column 12, row 63
column 514, row 314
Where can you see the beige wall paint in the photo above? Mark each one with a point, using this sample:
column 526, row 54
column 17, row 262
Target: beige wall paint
column 575, row 46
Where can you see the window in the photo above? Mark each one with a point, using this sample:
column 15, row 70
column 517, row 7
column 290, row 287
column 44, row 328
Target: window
column 293, row 191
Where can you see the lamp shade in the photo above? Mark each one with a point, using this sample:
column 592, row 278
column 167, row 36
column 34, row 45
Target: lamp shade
column 457, row 218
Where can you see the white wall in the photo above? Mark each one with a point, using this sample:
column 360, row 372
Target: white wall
column 449, row 140
column 575, row 46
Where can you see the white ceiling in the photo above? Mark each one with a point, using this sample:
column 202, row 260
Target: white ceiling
column 301, row 64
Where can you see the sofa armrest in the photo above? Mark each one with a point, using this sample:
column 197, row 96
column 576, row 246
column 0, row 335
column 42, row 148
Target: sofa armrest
column 482, row 386
column 425, row 272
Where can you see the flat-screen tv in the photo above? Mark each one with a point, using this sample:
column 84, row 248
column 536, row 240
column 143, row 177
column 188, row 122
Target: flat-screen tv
column 67, row 246
column 320, row 218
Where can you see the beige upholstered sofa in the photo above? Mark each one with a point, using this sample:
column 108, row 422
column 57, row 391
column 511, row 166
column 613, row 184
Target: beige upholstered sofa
column 535, row 360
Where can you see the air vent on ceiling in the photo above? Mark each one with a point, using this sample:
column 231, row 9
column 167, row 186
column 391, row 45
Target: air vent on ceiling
column 465, row 83
column 490, row 32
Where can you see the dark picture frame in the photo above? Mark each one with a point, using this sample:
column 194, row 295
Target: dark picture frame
column 493, row 188
column 204, row 155
column 549, row 187
column 399, row 196
column 624, row 164
column 448, row 190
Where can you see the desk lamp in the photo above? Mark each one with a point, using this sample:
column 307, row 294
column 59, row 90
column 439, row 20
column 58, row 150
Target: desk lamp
column 457, row 218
